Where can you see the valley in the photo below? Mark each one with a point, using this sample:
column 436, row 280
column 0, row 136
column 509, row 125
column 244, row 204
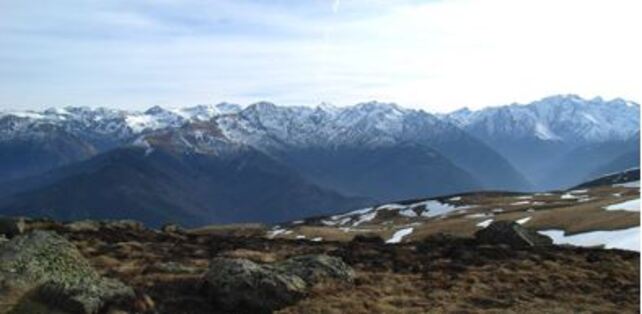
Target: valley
column 227, row 164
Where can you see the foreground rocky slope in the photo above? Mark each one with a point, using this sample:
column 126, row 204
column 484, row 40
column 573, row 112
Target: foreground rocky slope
column 470, row 253
column 236, row 269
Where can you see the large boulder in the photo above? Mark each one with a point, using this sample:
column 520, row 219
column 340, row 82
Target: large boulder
column 512, row 234
column 241, row 285
column 43, row 272
column 11, row 227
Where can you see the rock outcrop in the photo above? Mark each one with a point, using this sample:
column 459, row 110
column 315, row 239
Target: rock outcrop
column 511, row 234
column 240, row 284
column 11, row 227
column 42, row 271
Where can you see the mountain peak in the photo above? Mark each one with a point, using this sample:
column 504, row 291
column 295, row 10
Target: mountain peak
column 155, row 110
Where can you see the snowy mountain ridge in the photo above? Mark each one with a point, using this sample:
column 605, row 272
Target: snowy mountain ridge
column 567, row 118
column 105, row 124
column 555, row 118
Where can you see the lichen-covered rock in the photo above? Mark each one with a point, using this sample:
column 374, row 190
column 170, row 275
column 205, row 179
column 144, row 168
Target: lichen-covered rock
column 43, row 267
column 512, row 234
column 11, row 227
column 313, row 268
column 242, row 285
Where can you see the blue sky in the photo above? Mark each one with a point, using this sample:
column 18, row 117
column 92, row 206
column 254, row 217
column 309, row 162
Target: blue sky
column 436, row 55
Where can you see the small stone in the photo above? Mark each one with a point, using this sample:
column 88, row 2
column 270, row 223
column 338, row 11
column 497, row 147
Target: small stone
column 171, row 228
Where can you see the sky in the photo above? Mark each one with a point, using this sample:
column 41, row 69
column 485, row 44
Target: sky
column 434, row 55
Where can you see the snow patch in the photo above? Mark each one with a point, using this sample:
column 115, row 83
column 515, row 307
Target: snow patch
column 437, row 208
column 523, row 220
column 485, row 223
column 408, row 213
column 632, row 184
column 365, row 218
column 391, row 207
column 399, row 235
column 544, row 133
column 352, row 213
column 627, row 239
column 631, row 206
column 273, row 233
column 568, row 196
column 478, row 215
column 142, row 142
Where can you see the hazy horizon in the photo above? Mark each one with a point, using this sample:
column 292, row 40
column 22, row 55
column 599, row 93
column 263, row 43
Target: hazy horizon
column 245, row 105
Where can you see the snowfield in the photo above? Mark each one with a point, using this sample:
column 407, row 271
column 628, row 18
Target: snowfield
column 631, row 206
column 626, row 239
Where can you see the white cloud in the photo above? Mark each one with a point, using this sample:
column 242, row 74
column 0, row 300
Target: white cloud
column 437, row 55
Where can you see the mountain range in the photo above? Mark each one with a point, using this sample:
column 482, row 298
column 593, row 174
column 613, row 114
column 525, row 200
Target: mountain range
column 264, row 162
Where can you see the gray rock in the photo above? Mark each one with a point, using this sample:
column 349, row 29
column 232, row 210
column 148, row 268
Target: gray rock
column 314, row 268
column 11, row 227
column 242, row 285
column 512, row 234
column 44, row 268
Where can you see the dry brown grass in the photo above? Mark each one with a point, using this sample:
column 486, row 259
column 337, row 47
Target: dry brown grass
column 255, row 256
column 550, row 285
column 372, row 293
column 327, row 233
column 239, row 230
column 550, row 212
